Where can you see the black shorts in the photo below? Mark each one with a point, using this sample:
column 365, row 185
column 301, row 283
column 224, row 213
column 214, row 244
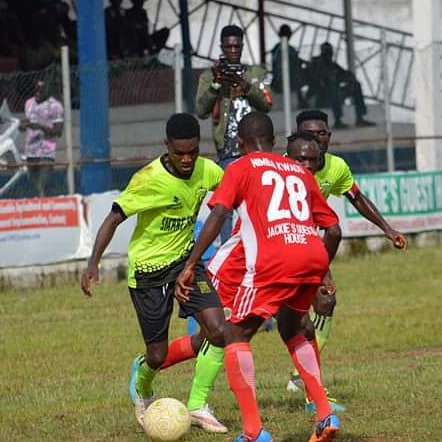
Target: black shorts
column 154, row 302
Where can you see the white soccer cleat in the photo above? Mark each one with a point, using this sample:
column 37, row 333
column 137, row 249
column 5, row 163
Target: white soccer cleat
column 141, row 405
column 205, row 419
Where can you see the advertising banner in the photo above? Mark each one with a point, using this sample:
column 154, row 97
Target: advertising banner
column 411, row 202
column 42, row 231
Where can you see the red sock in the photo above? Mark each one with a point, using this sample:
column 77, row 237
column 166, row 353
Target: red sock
column 314, row 343
column 240, row 371
column 304, row 357
column 179, row 350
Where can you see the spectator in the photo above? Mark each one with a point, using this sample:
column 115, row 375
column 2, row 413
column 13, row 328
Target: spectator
column 227, row 92
column 136, row 32
column 298, row 68
column 330, row 85
column 114, row 19
column 43, row 125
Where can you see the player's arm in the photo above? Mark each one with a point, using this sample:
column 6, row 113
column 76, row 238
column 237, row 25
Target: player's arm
column 369, row 211
column 211, row 229
column 102, row 240
column 332, row 238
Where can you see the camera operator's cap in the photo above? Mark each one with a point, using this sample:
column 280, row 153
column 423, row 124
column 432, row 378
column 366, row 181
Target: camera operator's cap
column 231, row 31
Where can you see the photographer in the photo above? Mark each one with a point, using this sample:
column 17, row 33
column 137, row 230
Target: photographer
column 228, row 91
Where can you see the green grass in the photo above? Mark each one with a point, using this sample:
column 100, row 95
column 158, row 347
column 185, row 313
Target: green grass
column 64, row 360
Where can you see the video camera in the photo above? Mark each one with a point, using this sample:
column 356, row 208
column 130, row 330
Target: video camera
column 227, row 68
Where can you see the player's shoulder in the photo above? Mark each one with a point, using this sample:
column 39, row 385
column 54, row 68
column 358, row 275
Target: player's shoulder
column 207, row 165
column 152, row 170
column 336, row 162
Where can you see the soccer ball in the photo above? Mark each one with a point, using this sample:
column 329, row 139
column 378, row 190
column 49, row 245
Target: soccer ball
column 166, row 419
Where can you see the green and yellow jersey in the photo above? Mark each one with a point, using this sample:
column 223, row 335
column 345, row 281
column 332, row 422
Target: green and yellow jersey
column 166, row 207
column 335, row 178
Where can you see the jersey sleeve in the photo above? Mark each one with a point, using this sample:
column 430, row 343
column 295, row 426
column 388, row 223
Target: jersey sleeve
column 344, row 179
column 323, row 215
column 134, row 197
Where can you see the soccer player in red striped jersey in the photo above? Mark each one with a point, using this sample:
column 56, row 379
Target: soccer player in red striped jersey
column 279, row 205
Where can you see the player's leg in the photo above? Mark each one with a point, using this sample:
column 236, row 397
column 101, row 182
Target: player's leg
column 247, row 316
column 240, row 371
column 183, row 348
column 305, row 357
column 153, row 311
column 209, row 362
column 205, row 306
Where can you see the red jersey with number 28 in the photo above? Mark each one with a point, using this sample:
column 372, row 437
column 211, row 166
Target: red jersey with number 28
column 280, row 206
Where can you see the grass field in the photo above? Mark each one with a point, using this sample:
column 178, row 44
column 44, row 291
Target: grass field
column 64, row 360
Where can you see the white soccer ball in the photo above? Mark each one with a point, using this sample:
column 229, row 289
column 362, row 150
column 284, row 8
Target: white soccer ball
column 166, row 419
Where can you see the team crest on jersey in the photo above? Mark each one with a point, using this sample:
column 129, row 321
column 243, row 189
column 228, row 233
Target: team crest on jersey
column 176, row 203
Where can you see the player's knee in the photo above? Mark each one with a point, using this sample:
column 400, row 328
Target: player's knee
column 216, row 336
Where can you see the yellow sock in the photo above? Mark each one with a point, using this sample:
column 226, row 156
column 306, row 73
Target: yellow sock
column 322, row 328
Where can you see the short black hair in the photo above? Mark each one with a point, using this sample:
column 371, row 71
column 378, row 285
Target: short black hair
column 231, row 31
column 285, row 31
column 182, row 126
column 311, row 114
column 255, row 125
column 301, row 135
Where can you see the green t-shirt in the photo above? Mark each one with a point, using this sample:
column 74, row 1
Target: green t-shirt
column 335, row 178
column 166, row 209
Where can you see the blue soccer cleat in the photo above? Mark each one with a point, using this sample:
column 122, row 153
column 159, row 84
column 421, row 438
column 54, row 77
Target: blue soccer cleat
column 138, row 360
column 263, row 436
column 310, row 407
column 326, row 430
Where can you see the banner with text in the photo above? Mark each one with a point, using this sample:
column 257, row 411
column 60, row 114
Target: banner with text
column 42, row 231
column 411, row 202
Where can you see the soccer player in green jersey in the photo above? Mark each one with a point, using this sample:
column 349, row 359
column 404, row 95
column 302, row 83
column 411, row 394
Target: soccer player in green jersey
column 334, row 177
column 166, row 196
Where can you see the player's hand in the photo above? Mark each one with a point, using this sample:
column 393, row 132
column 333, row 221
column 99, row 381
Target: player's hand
column 183, row 284
column 399, row 241
column 90, row 275
column 325, row 299
column 328, row 286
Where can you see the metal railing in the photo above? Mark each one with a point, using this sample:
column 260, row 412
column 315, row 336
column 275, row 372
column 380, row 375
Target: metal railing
column 310, row 27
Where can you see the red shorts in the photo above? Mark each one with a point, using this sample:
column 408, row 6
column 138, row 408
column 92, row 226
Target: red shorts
column 225, row 291
column 266, row 301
